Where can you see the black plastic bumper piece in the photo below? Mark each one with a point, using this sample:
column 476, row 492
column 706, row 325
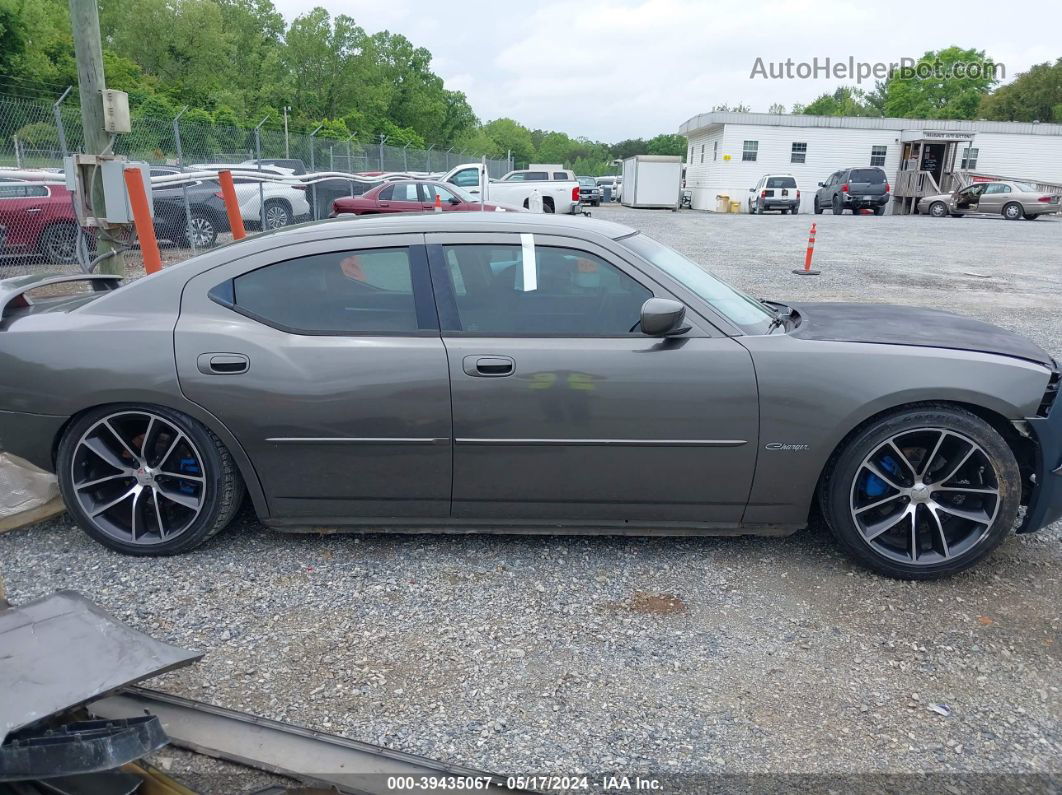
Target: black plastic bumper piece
column 1045, row 504
column 83, row 747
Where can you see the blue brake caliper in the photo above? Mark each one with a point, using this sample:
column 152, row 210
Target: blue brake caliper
column 187, row 466
column 875, row 486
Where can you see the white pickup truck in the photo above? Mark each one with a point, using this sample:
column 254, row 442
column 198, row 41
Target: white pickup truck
column 558, row 189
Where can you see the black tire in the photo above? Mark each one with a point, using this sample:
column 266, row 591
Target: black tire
column 58, row 243
column 1012, row 211
column 938, row 209
column 752, row 208
column 879, row 211
column 839, row 485
column 784, row 211
column 203, row 232
column 818, row 208
column 838, row 207
column 220, row 494
column 794, row 210
column 277, row 214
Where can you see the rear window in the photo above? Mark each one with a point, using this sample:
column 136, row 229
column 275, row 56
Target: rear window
column 781, row 182
column 874, row 176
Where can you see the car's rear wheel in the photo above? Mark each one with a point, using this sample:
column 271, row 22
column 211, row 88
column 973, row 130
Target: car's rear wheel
column 924, row 493
column 277, row 214
column 59, row 243
column 146, row 480
column 784, row 211
column 200, row 232
column 838, row 207
column 938, row 209
column 1013, row 212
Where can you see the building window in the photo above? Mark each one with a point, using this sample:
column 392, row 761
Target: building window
column 969, row 158
column 749, row 150
column 689, row 159
column 877, row 155
column 715, row 150
column 702, row 153
column 799, row 154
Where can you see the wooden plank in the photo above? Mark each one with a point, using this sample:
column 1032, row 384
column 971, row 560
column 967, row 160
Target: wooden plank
column 53, row 507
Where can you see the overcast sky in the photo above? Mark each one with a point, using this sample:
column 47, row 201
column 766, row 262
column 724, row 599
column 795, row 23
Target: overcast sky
column 614, row 69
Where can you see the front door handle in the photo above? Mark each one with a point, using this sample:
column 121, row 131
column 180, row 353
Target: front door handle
column 33, row 210
column 223, row 363
column 488, row 366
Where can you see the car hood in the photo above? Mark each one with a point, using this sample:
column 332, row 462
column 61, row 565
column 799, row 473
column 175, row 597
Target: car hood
column 908, row 325
column 939, row 197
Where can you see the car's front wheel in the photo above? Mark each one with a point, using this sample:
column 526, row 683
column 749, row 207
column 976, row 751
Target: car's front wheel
column 924, row 493
column 146, row 480
column 818, row 207
column 938, row 209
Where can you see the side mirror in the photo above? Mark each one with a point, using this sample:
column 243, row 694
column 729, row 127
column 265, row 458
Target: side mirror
column 662, row 317
column 454, row 200
column 821, row 184
column 752, row 190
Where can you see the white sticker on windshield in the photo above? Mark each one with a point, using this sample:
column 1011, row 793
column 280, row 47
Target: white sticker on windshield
column 527, row 241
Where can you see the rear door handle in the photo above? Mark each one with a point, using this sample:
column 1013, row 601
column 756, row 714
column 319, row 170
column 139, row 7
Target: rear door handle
column 488, row 366
column 34, row 210
column 223, row 363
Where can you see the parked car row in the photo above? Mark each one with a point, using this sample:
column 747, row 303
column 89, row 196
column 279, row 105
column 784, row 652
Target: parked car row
column 857, row 189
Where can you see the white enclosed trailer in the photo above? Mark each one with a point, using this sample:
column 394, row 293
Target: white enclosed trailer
column 652, row 181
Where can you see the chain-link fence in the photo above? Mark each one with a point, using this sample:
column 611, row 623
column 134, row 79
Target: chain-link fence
column 39, row 229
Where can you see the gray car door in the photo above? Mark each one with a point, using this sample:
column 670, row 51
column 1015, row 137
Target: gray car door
column 324, row 360
column 563, row 411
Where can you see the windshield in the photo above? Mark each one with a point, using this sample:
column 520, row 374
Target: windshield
column 743, row 311
column 587, row 182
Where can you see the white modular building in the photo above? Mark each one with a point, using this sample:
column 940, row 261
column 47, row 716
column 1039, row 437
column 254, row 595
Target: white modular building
column 727, row 153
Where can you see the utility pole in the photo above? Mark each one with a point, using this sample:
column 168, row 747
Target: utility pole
column 85, row 23
column 287, row 150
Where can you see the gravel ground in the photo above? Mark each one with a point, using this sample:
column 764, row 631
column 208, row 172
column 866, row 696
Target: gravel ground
column 693, row 656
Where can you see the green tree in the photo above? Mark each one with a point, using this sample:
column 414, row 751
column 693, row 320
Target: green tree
column 667, row 144
column 511, row 136
column 843, row 101
column 932, row 92
column 1035, row 95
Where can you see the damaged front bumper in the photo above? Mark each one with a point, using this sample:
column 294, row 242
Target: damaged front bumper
column 1045, row 501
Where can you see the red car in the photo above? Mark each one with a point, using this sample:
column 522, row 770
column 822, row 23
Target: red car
column 38, row 220
column 411, row 196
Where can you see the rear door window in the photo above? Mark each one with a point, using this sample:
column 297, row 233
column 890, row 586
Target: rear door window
column 343, row 292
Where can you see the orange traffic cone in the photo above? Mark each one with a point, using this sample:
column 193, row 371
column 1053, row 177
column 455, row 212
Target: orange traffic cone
column 438, row 203
column 807, row 271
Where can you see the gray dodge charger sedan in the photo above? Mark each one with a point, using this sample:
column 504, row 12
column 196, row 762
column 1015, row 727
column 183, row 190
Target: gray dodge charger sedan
column 520, row 373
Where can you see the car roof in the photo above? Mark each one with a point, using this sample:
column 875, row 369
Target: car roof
column 543, row 223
